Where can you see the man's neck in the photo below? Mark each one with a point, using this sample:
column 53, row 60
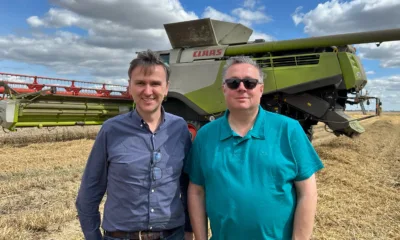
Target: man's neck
column 152, row 120
column 241, row 121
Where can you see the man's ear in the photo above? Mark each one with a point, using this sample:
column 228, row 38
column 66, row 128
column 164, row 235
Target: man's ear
column 166, row 90
column 129, row 87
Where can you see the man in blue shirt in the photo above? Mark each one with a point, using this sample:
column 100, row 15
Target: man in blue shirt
column 252, row 171
column 138, row 158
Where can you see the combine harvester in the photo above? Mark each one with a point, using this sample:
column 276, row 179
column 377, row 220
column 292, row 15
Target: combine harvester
column 311, row 80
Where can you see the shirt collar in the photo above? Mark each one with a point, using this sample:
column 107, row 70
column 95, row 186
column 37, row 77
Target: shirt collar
column 257, row 131
column 139, row 121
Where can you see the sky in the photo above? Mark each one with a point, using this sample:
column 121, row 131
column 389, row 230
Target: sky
column 94, row 40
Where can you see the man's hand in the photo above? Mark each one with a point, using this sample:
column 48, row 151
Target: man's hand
column 189, row 236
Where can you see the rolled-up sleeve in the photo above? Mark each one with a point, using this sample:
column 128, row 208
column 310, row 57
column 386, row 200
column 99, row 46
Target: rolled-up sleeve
column 92, row 188
column 304, row 154
column 193, row 163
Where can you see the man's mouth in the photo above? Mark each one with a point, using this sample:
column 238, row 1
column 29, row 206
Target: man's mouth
column 148, row 99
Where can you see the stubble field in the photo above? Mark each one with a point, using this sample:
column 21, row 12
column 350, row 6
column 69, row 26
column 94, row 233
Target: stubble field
column 359, row 189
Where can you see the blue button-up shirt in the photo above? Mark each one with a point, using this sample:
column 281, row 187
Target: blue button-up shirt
column 120, row 163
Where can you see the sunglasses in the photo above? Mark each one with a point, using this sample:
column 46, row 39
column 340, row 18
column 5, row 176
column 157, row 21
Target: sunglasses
column 156, row 172
column 234, row 83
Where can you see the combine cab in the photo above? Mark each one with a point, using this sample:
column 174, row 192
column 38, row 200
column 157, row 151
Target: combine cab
column 311, row 80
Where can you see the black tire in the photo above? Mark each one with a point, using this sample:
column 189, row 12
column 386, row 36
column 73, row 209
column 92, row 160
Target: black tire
column 196, row 125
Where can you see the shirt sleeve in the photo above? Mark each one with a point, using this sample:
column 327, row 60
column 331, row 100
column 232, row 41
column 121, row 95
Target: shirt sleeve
column 193, row 166
column 304, row 154
column 92, row 188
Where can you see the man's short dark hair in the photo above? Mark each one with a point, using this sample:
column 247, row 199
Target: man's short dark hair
column 148, row 59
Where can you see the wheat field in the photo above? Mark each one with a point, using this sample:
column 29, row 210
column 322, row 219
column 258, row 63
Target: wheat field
column 359, row 188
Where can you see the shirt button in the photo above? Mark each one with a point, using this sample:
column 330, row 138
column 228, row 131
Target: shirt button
column 150, row 227
column 152, row 210
column 152, row 190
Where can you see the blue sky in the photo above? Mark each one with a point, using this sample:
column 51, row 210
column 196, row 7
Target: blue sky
column 95, row 39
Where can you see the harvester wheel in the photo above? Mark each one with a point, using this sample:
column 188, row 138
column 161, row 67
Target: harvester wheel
column 193, row 126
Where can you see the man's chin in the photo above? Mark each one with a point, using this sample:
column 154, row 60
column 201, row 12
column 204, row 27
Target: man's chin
column 148, row 108
column 242, row 107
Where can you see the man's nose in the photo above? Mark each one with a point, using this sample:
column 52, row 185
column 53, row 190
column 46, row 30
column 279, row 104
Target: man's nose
column 148, row 89
column 241, row 87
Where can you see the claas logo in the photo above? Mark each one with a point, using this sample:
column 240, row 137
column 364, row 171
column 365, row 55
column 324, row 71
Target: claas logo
column 207, row 53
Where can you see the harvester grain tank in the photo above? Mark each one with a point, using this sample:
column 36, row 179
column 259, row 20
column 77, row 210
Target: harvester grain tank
column 309, row 79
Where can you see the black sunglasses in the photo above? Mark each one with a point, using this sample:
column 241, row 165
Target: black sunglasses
column 234, row 83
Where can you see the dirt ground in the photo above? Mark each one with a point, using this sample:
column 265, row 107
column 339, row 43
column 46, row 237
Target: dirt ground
column 359, row 188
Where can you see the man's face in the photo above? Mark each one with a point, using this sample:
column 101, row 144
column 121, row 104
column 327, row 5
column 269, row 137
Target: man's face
column 242, row 98
column 148, row 90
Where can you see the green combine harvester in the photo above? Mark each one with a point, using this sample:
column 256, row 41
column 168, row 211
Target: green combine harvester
column 311, row 80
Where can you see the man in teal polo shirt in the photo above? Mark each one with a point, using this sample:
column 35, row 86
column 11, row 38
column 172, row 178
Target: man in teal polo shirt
column 251, row 170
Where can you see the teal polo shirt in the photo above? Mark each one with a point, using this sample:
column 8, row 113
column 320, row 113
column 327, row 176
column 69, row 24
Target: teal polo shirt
column 249, row 181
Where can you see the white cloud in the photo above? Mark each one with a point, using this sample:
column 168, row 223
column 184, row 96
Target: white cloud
column 34, row 21
column 136, row 14
column 246, row 16
column 66, row 54
column 115, row 31
column 249, row 4
column 388, row 53
column 297, row 16
column 211, row 12
column 370, row 72
column 335, row 17
column 378, row 86
column 359, row 15
column 107, row 33
column 55, row 18
column 259, row 35
column 243, row 16
column 387, row 89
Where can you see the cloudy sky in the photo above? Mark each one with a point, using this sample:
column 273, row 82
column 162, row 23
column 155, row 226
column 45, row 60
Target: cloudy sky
column 95, row 39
